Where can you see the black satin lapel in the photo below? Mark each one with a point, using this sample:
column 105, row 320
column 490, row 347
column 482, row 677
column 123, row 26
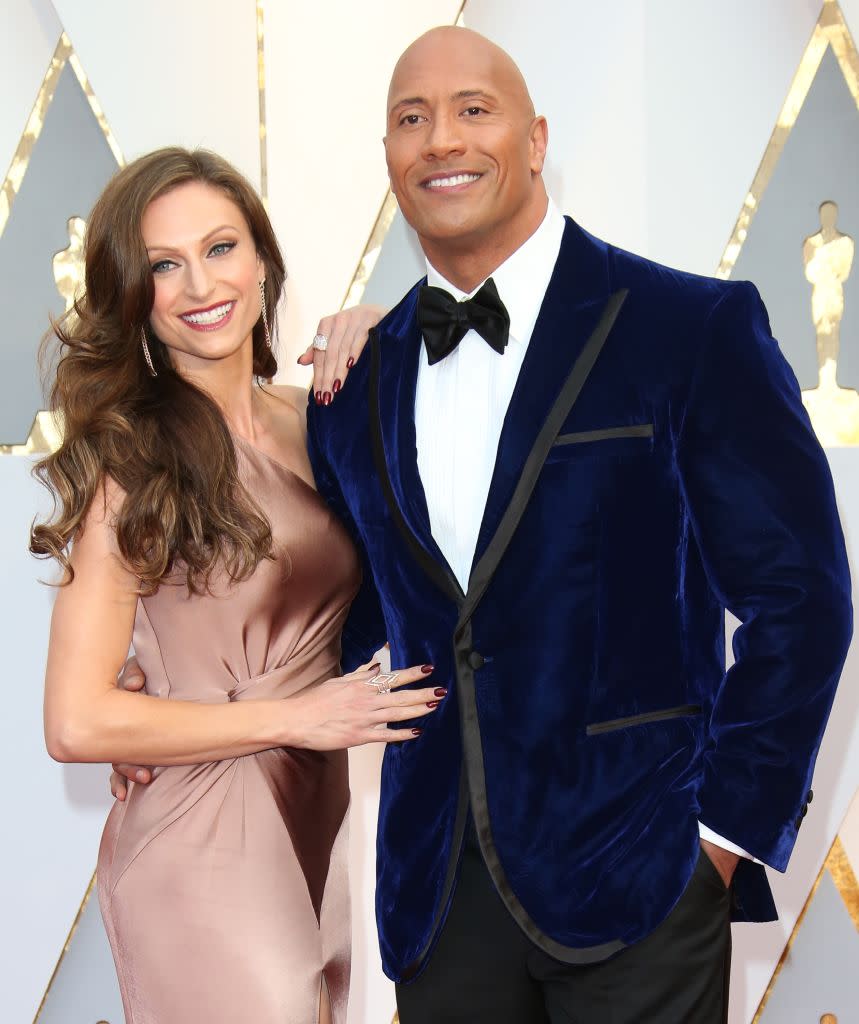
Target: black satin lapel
column 571, row 308
column 545, row 382
column 393, row 380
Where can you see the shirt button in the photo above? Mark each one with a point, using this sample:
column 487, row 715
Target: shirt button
column 476, row 659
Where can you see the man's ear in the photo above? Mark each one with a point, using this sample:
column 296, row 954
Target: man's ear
column 538, row 137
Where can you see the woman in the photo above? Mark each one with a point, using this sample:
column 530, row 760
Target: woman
column 187, row 521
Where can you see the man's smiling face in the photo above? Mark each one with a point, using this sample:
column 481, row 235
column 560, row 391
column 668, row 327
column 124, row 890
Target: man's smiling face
column 463, row 146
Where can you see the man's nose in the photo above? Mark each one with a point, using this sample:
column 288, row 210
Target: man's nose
column 443, row 138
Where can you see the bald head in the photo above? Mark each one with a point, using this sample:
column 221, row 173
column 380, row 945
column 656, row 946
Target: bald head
column 451, row 45
column 465, row 152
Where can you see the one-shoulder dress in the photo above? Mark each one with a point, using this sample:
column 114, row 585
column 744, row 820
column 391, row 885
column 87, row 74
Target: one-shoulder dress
column 223, row 886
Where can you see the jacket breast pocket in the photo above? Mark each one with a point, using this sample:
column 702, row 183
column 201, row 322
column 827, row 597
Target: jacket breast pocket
column 634, row 439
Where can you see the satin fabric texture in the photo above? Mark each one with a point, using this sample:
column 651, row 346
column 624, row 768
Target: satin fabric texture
column 224, row 886
column 656, row 467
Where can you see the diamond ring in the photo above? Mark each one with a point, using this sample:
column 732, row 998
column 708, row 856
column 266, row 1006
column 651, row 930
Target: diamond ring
column 320, row 343
column 382, row 681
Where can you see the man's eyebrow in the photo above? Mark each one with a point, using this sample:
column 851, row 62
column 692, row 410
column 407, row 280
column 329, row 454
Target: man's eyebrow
column 409, row 101
column 205, row 238
column 470, row 94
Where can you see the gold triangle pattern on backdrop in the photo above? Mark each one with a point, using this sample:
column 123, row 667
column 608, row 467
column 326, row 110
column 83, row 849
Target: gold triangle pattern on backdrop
column 44, row 434
column 834, row 411
column 379, row 231
column 843, row 873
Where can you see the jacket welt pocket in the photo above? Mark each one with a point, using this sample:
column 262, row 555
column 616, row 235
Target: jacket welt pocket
column 642, row 431
column 613, row 724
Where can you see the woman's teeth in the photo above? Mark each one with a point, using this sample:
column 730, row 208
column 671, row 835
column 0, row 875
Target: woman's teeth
column 210, row 316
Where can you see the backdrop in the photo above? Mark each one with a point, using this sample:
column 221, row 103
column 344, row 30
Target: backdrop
column 703, row 136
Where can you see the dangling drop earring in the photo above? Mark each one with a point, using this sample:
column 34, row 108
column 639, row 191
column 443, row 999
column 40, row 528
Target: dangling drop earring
column 265, row 327
column 153, row 372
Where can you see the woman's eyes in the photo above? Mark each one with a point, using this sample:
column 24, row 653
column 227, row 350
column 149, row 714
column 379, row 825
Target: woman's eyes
column 221, row 248
column 218, row 249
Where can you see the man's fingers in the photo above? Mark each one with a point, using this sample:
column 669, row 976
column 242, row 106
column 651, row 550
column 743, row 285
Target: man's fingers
column 117, row 786
column 131, row 677
column 134, row 772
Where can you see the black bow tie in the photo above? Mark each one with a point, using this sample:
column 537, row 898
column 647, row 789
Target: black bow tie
column 445, row 322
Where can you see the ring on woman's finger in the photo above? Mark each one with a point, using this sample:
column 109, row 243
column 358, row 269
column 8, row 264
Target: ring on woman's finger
column 382, row 681
column 320, row 342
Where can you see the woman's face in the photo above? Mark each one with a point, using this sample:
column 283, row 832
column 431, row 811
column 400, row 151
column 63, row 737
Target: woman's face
column 206, row 273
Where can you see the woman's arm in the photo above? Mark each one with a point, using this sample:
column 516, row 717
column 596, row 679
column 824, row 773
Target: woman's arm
column 87, row 718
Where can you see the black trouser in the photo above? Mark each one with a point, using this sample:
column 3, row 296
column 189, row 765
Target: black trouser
column 485, row 971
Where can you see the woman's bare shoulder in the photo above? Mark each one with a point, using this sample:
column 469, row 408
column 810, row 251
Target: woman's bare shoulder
column 288, row 405
column 289, row 394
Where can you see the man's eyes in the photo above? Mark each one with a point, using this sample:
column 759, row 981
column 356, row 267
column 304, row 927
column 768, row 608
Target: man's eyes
column 413, row 119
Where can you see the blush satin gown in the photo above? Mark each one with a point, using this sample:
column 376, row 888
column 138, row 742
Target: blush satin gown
column 223, row 886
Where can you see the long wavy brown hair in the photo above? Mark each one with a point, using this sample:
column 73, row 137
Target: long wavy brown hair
column 163, row 440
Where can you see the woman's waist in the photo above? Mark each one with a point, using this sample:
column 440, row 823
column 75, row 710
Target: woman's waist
column 221, row 683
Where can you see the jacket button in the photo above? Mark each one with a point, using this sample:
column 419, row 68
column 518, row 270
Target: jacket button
column 810, row 796
column 476, row 659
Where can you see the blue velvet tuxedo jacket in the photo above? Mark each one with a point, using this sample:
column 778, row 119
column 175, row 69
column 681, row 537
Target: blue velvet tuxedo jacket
column 656, row 466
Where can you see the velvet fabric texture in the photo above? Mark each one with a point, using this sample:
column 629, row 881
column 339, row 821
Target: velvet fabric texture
column 656, row 466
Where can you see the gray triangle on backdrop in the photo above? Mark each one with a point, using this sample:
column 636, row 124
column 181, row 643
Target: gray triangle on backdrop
column 819, row 975
column 818, row 163
column 399, row 266
column 70, row 164
column 85, row 989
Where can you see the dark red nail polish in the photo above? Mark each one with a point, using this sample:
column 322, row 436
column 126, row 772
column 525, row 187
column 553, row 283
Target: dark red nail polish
column 319, row 398
column 440, row 692
column 426, row 669
column 433, row 703
column 350, row 362
column 335, row 387
column 326, row 398
column 416, row 732
column 374, row 667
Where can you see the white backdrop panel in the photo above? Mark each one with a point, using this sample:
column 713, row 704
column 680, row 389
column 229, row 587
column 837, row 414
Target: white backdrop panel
column 52, row 814
column 327, row 71
column 659, row 115
column 173, row 73
column 30, row 33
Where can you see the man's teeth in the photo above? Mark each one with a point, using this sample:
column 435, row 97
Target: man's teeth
column 210, row 316
column 457, row 179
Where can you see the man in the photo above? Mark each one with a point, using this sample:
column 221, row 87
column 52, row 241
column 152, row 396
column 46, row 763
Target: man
column 561, row 485
column 558, row 526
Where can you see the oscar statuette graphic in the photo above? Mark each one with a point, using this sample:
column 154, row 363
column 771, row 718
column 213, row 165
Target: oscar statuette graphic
column 828, row 259
column 68, row 263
